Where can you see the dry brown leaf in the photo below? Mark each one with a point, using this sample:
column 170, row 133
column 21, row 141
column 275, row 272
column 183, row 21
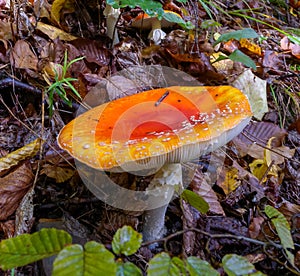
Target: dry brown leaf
column 18, row 155
column 286, row 45
column 228, row 179
column 59, row 173
column 12, row 189
column 23, row 57
column 8, row 227
column 54, row 32
column 200, row 186
column 258, row 133
column 58, row 6
column 250, row 46
column 24, row 214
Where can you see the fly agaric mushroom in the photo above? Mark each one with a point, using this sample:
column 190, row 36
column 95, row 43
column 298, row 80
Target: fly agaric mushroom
column 156, row 129
column 146, row 22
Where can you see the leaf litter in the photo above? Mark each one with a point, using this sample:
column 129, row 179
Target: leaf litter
column 235, row 198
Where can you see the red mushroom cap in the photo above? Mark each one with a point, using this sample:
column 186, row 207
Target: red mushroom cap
column 165, row 125
column 145, row 21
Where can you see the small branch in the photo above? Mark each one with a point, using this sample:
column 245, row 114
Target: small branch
column 212, row 236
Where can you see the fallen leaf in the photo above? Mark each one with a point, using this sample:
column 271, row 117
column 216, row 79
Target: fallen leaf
column 262, row 168
column 18, row 155
column 53, row 32
column 23, row 57
column 12, row 189
column 228, row 179
column 200, row 186
column 256, row 90
column 250, row 46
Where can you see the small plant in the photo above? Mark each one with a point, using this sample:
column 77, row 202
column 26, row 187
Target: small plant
column 238, row 55
column 61, row 82
column 94, row 259
column 152, row 8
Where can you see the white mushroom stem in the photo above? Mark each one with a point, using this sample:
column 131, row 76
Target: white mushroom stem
column 157, row 34
column 165, row 182
column 112, row 16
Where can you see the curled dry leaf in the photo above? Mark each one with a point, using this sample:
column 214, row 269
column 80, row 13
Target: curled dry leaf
column 256, row 90
column 286, row 45
column 12, row 189
column 54, row 32
column 57, row 168
column 23, row 57
column 18, row 155
column 200, row 186
column 256, row 135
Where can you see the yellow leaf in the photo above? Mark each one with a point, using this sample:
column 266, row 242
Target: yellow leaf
column 259, row 167
column 54, row 32
column 18, row 155
column 58, row 6
column 230, row 180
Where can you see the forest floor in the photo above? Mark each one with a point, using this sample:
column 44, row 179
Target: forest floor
column 40, row 186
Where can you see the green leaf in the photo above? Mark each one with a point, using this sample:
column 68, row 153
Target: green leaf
column 283, row 230
column 245, row 33
column 171, row 17
column 28, row 248
column 162, row 265
column 93, row 259
column 237, row 265
column 126, row 241
column 128, row 269
column 198, row 267
column 180, row 264
column 239, row 56
column 196, row 201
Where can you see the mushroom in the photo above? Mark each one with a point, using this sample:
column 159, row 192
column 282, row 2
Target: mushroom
column 156, row 129
column 146, row 22
column 112, row 17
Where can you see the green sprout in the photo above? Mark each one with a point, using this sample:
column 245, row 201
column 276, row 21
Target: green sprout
column 61, row 82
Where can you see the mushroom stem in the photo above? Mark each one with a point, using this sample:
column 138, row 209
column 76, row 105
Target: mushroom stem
column 112, row 17
column 165, row 182
column 154, row 221
column 156, row 34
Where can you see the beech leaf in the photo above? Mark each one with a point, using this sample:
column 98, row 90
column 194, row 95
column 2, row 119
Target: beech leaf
column 92, row 259
column 283, row 230
column 28, row 248
column 126, row 241
column 237, row 265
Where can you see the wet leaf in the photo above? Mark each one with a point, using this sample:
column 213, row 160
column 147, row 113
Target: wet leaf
column 126, row 241
column 13, row 158
column 12, row 189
